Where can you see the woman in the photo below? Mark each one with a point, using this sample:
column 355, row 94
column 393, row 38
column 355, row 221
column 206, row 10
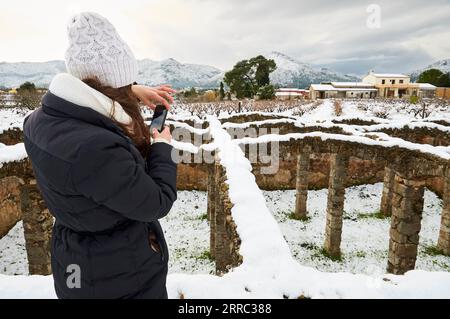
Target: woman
column 98, row 172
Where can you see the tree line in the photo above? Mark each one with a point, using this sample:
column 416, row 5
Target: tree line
column 27, row 96
column 435, row 77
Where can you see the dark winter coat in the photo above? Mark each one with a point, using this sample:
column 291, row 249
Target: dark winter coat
column 105, row 197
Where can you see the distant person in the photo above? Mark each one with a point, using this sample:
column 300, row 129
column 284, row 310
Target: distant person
column 101, row 175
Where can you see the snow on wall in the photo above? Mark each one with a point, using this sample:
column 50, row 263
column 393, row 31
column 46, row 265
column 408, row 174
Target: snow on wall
column 439, row 151
column 268, row 269
column 11, row 153
column 198, row 131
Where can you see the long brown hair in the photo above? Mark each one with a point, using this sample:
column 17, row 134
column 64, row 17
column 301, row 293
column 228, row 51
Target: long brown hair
column 137, row 130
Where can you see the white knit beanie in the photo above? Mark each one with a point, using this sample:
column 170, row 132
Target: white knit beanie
column 97, row 50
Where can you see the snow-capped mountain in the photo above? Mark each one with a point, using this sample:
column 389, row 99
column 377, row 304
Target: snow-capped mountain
column 293, row 73
column 443, row 65
column 289, row 72
column 40, row 73
column 178, row 74
column 150, row 72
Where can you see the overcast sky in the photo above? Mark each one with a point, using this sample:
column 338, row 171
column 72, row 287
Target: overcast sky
column 411, row 33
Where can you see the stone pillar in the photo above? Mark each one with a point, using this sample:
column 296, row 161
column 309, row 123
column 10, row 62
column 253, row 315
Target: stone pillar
column 335, row 204
column 407, row 206
column 444, row 232
column 10, row 212
column 211, row 209
column 301, row 196
column 386, row 197
column 37, row 225
column 221, row 242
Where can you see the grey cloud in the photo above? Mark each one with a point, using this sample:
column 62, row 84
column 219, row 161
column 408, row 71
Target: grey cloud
column 332, row 33
column 321, row 30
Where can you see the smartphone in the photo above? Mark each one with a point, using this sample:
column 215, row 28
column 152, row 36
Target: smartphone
column 159, row 117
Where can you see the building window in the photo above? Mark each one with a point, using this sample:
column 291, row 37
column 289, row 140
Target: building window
column 401, row 81
column 392, row 81
column 383, row 81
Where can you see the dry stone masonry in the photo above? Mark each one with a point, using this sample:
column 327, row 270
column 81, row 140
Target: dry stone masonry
column 386, row 197
column 37, row 225
column 10, row 212
column 306, row 162
column 407, row 206
column 225, row 241
column 444, row 232
column 335, row 204
column 302, row 183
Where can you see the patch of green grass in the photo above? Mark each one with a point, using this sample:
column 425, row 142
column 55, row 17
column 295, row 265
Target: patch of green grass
column 323, row 253
column 376, row 215
column 347, row 216
column 206, row 255
column 309, row 246
column 293, row 216
column 433, row 251
column 203, row 216
column 442, row 265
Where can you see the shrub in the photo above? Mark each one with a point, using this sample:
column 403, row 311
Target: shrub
column 414, row 99
column 337, row 107
column 266, row 92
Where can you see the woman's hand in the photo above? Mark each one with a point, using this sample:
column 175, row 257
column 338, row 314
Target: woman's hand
column 165, row 134
column 151, row 96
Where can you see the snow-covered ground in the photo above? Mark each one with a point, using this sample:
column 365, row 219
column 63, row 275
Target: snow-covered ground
column 365, row 237
column 186, row 230
column 321, row 110
column 12, row 117
column 281, row 256
column 364, row 243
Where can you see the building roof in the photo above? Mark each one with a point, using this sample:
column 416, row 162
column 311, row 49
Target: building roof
column 291, row 90
column 389, row 75
column 329, row 87
column 426, row 86
column 352, row 84
column 289, row 93
column 323, row 87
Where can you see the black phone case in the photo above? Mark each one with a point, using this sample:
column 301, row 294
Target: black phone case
column 163, row 121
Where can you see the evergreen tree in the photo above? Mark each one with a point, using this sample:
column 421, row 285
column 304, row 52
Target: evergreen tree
column 266, row 92
column 444, row 80
column 28, row 96
column 27, row 86
column 263, row 69
column 430, row 76
column 221, row 92
column 247, row 76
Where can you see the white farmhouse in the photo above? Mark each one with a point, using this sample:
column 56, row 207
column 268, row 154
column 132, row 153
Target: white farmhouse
column 398, row 85
column 342, row 90
column 385, row 85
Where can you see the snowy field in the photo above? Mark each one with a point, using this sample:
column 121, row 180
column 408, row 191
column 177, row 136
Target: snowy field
column 282, row 256
column 365, row 237
column 364, row 244
column 186, row 231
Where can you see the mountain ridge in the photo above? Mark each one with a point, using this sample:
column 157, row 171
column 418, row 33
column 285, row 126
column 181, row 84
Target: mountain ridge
column 290, row 72
column 442, row 65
